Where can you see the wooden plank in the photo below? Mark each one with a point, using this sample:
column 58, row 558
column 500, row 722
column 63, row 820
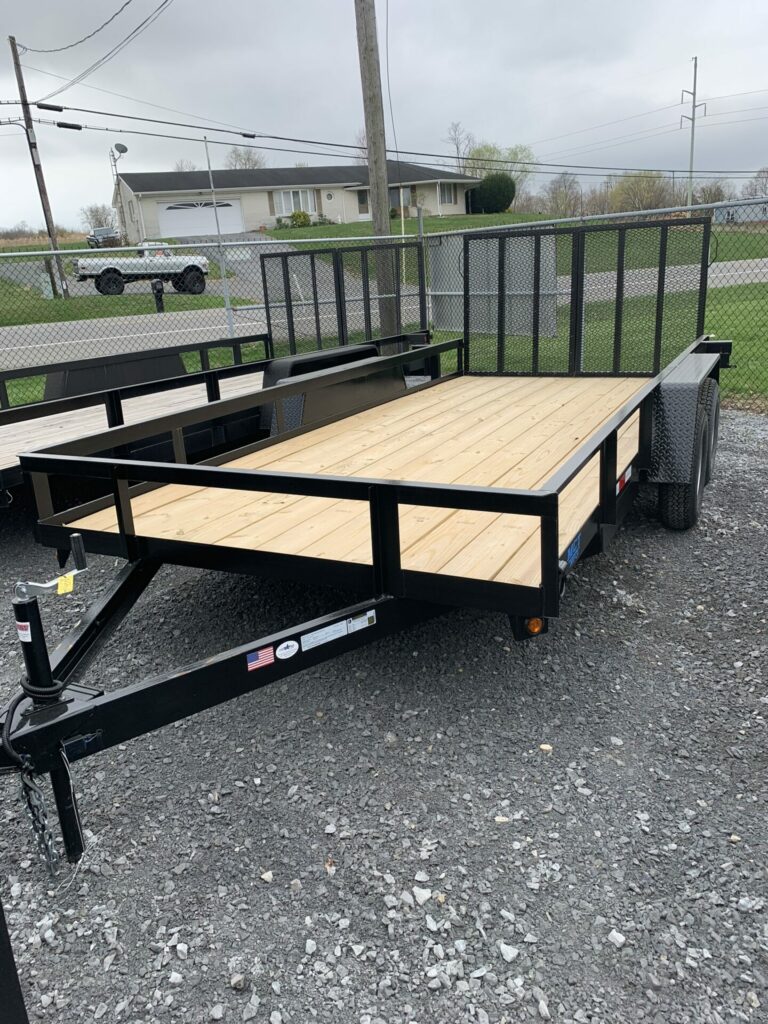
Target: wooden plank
column 504, row 432
column 31, row 435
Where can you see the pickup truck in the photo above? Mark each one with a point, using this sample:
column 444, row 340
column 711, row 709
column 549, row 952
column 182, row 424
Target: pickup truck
column 109, row 273
column 103, row 238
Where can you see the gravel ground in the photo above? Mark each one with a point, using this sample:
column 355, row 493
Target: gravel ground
column 444, row 826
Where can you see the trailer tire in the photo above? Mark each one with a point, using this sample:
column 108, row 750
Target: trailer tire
column 193, row 281
column 110, row 282
column 680, row 503
column 709, row 400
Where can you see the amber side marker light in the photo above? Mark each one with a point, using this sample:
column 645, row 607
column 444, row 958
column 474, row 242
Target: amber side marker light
column 534, row 626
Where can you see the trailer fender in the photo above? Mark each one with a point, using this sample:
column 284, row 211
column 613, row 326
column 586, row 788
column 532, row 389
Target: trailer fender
column 674, row 418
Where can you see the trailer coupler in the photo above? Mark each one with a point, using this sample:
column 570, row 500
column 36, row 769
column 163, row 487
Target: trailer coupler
column 54, row 721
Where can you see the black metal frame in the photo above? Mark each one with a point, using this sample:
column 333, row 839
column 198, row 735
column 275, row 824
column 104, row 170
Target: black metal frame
column 578, row 235
column 60, row 721
column 337, row 257
column 200, row 348
column 112, row 398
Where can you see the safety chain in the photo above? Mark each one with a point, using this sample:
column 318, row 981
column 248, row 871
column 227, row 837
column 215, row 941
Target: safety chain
column 35, row 801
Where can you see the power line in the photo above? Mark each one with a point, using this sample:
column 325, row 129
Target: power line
column 133, row 99
column 352, row 147
column 132, row 35
column 629, row 172
column 58, row 49
column 605, row 124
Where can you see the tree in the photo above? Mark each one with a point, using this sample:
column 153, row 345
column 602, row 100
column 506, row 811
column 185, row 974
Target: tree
column 642, row 190
column 361, row 142
column 562, row 196
column 597, row 200
column 716, row 191
column 494, row 193
column 756, row 187
column 184, row 165
column 242, row 158
column 488, row 158
column 99, row 215
column 461, row 142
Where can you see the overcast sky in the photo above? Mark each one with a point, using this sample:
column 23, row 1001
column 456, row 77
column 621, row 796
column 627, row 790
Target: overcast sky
column 526, row 71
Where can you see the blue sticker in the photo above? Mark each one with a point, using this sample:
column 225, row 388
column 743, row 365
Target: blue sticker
column 573, row 552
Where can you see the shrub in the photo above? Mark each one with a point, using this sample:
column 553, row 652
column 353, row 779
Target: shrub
column 494, row 193
column 300, row 219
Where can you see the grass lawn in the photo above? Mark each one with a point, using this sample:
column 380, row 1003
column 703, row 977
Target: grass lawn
column 20, row 305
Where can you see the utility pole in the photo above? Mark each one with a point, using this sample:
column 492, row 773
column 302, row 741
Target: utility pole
column 38, row 168
column 692, row 119
column 378, row 186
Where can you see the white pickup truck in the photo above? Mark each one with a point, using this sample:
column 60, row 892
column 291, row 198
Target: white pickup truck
column 109, row 272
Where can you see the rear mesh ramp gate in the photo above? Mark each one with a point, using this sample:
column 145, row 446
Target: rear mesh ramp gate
column 594, row 299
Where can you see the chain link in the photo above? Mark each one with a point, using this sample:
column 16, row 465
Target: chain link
column 34, row 798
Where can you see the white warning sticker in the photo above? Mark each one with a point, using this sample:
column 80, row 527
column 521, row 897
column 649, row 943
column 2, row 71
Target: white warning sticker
column 337, row 630
column 25, row 632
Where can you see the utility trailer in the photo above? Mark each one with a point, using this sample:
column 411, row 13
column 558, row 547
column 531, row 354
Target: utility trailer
column 474, row 488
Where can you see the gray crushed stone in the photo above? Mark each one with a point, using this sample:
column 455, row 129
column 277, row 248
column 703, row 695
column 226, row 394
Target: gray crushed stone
column 442, row 826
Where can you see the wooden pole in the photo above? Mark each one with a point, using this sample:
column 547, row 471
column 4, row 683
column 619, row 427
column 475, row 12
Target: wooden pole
column 38, row 169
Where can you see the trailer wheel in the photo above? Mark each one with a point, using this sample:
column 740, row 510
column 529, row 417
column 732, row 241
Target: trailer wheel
column 177, row 283
column 680, row 503
column 193, row 281
column 709, row 399
column 110, row 282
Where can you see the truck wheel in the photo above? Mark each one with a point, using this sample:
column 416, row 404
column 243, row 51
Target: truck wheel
column 110, row 282
column 193, row 281
column 680, row 503
column 709, row 400
column 177, row 283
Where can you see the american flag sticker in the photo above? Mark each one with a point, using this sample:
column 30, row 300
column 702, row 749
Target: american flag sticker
column 261, row 658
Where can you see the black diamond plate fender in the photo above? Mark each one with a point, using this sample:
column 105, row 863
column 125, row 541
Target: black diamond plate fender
column 674, row 419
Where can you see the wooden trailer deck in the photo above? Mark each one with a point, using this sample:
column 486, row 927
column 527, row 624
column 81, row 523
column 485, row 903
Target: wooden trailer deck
column 482, row 431
column 34, row 434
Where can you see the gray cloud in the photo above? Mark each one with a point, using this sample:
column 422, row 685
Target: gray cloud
column 510, row 72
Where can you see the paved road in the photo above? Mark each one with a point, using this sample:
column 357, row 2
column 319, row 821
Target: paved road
column 36, row 344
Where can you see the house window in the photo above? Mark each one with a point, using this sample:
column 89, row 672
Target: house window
column 447, row 193
column 294, row 199
column 362, row 200
column 394, row 196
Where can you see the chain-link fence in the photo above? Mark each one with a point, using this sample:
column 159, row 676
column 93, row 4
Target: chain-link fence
column 209, row 292
column 322, row 292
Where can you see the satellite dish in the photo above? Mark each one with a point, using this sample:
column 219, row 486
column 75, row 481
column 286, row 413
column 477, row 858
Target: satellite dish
column 121, row 148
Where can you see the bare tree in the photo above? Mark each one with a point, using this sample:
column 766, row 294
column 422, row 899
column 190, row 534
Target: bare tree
column 756, row 187
column 562, row 196
column 184, row 165
column 462, row 142
column 361, row 142
column 241, row 158
column 715, row 191
column 642, row 190
column 99, row 215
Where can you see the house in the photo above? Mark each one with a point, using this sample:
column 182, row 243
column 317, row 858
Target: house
column 753, row 211
column 178, row 204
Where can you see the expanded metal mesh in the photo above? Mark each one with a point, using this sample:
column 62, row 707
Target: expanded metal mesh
column 38, row 326
column 623, row 298
column 318, row 298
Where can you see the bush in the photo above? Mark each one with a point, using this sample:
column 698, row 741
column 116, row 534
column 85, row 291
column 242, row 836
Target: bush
column 494, row 194
column 300, row 219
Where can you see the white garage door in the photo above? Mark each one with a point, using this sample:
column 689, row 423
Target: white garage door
column 179, row 220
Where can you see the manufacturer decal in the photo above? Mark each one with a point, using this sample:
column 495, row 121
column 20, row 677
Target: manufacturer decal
column 338, row 630
column 25, row 632
column 287, row 649
column 573, row 552
column 261, row 658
